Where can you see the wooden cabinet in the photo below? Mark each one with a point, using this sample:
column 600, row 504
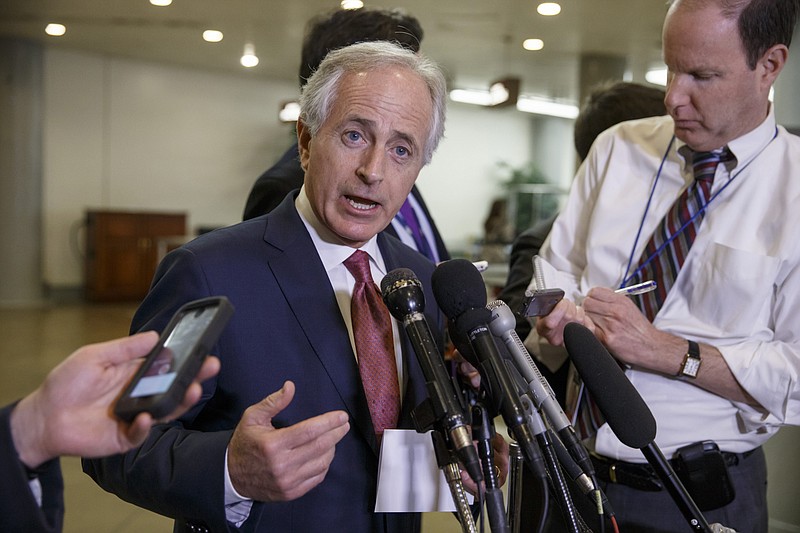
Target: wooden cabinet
column 122, row 251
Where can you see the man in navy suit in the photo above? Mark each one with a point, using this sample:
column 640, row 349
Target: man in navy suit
column 283, row 439
column 328, row 32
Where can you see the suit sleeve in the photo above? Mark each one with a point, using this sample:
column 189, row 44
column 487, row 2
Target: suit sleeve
column 19, row 510
column 177, row 472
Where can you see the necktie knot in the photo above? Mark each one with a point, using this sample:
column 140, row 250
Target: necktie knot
column 704, row 164
column 358, row 265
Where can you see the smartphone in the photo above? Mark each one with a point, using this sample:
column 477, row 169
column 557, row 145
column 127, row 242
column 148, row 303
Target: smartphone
column 541, row 301
column 161, row 382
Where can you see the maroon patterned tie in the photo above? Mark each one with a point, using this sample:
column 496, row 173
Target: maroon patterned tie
column 372, row 331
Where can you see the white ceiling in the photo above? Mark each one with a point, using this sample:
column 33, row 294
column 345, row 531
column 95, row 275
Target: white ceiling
column 476, row 41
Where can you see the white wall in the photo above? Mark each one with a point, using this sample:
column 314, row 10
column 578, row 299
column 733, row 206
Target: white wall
column 464, row 176
column 124, row 134
column 554, row 149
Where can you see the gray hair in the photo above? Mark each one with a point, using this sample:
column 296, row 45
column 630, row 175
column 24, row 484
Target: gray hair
column 323, row 86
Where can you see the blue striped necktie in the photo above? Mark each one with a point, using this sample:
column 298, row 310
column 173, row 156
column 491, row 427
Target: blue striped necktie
column 667, row 249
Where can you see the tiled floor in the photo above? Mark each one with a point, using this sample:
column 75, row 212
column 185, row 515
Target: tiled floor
column 35, row 340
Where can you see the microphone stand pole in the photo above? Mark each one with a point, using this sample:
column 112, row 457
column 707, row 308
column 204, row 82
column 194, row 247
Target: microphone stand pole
column 515, row 471
column 424, row 419
column 482, row 432
column 685, row 503
column 545, row 439
column 448, row 464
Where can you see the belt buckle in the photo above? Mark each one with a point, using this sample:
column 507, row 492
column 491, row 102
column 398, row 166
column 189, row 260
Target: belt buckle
column 612, row 473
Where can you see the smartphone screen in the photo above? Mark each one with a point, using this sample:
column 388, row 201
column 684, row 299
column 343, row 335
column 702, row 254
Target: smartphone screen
column 176, row 349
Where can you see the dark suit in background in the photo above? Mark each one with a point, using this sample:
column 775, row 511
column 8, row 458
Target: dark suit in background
column 287, row 325
column 275, row 183
column 19, row 510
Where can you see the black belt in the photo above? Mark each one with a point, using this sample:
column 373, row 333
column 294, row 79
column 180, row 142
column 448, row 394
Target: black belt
column 641, row 476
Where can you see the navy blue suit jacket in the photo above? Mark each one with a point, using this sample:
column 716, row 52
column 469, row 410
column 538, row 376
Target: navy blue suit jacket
column 19, row 510
column 286, row 326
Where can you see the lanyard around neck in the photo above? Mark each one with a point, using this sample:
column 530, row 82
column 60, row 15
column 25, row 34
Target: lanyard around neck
column 672, row 237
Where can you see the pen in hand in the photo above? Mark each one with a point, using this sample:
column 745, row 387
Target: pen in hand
column 639, row 288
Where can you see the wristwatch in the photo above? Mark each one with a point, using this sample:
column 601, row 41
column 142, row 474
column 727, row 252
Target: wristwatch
column 691, row 362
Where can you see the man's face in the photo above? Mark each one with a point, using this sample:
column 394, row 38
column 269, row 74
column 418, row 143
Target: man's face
column 365, row 158
column 712, row 95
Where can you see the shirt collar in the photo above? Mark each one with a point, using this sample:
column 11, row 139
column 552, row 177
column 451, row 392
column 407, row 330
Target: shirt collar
column 330, row 250
column 743, row 148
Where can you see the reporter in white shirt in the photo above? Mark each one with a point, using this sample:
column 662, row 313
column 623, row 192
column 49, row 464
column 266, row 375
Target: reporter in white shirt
column 738, row 292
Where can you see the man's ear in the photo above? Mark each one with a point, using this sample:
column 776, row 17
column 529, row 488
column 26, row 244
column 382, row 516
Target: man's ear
column 303, row 144
column 772, row 62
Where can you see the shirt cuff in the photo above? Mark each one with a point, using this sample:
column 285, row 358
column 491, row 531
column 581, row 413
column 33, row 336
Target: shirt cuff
column 237, row 507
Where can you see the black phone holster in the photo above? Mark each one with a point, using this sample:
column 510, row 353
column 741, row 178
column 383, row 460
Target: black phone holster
column 702, row 469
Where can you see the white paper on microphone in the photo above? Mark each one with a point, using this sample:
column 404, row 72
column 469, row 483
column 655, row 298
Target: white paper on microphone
column 408, row 478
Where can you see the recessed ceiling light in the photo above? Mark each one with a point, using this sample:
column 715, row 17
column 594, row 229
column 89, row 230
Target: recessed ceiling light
column 548, row 9
column 533, row 44
column 212, row 36
column 352, row 4
column 249, row 58
column 56, row 30
column 161, row 3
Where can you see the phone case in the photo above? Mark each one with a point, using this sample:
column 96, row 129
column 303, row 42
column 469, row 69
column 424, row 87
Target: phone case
column 701, row 468
column 540, row 302
column 161, row 405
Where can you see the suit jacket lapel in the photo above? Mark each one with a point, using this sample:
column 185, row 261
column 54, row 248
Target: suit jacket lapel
column 303, row 280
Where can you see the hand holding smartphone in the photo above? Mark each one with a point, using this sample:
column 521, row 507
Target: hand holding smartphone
column 540, row 302
column 170, row 367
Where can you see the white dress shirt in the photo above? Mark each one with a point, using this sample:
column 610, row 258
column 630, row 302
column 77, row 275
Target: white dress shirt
column 739, row 289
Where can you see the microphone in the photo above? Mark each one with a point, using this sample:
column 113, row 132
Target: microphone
column 461, row 293
column 626, row 412
column 402, row 294
column 502, row 325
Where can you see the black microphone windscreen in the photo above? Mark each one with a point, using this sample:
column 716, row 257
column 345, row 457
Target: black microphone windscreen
column 394, row 276
column 402, row 293
column 626, row 413
column 458, row 286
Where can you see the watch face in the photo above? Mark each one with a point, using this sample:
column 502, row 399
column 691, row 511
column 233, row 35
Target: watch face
column 691, row 366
